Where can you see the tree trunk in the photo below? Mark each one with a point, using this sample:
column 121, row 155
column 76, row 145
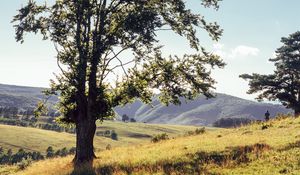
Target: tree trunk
column 85, row 131
column 297, row 112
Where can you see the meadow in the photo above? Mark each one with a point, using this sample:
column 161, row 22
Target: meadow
column 260, row 148
column 33, row 139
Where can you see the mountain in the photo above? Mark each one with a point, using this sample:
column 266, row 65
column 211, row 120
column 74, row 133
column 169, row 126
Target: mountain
column 197, row 112
column 22, row 96
column 200, row 111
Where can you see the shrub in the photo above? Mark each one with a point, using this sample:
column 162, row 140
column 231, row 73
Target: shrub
column 24, row 163
column 159, row 137
column 196, row 132
column 114, row 135
column 265, row 126
column 200, row 130
column 50, row 152
column 72, row 150
column 132, row 120
column 108, row 147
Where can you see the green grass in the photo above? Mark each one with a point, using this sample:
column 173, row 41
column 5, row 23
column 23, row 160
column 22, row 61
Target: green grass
column 32, row 139
column 246, row 150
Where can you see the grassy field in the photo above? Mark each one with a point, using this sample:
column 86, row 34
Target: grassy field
column 32, row 139
column 246, row 150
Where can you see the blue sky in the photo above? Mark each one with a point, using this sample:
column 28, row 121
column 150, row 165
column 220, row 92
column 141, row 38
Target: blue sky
column 252, row 32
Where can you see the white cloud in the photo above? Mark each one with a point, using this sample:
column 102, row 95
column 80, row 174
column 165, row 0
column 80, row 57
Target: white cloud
column 243, row 51
column 237, row 52
column 218, row 49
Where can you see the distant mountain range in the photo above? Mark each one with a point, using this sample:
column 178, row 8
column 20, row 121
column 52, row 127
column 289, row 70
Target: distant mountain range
column 197, row 112
column 22, row 96
column 200, row 111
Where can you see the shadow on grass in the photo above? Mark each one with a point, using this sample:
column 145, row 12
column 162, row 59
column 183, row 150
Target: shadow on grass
column 86, row 169
column 291, row 146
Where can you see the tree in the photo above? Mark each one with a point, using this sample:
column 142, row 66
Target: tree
column 93, row 39
column 284, row 83
column 125, row 118
column 114, row 135
column 132, row 120
column 50, row 152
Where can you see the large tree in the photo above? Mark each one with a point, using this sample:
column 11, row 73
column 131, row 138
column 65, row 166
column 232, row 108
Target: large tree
column 284, row 83
column 91, row 37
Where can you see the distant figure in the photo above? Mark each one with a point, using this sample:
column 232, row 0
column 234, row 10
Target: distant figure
column 267, row 116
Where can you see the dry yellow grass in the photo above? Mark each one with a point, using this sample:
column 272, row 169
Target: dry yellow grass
column 187, row 155
column 156, row 158
column 33, row 139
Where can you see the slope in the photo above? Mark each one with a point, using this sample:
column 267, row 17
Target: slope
column 246, row 150
column 32, row 139
column 22, row 96
column 199, row 111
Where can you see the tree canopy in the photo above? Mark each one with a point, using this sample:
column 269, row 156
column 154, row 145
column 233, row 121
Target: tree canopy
column 284, row 83
column 91, row 37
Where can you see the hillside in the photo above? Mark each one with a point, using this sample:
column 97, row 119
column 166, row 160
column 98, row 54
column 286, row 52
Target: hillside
column 32, row 139
column 22, row 96
column 247, row 150
column 197, row 112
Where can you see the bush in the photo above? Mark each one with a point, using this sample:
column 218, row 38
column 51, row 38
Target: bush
column 132, row 120
column 108, row 147
column 72, row 150
column 114, row 135
column 265, row 126
column 24, row 163
column 50, row 152
column 159, row 137
column 196, row 132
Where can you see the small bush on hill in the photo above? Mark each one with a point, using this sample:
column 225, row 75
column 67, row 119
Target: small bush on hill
column 24, row 163
column 159, row 137
column 108, row 147
column 114, row 135
column 196, row 132
column 108, row 133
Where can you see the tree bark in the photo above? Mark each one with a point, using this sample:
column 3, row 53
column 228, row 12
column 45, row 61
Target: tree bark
column 85, row 131
column 297, row 112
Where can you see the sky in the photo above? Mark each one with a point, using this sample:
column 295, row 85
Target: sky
column 252, row 32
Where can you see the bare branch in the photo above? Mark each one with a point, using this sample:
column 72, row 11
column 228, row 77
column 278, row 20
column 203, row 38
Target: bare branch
column 57, row 62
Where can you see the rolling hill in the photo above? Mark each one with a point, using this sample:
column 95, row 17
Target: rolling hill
column 22, row 96
column 247, row 150
column 197, row 112
column 33, row 139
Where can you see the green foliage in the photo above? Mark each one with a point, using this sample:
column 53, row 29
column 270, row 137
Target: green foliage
column 91, row 36
column 21, row 158
column 108, row 133
column 49, row 152
column 283, row 84
column 24, row 163
column 114, row 135
column 87, row 35
column 125, row 118
column 159, row 137
column 41, row 109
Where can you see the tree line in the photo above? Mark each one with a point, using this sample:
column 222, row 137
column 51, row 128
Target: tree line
column 9, row 111
column 10, row 158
